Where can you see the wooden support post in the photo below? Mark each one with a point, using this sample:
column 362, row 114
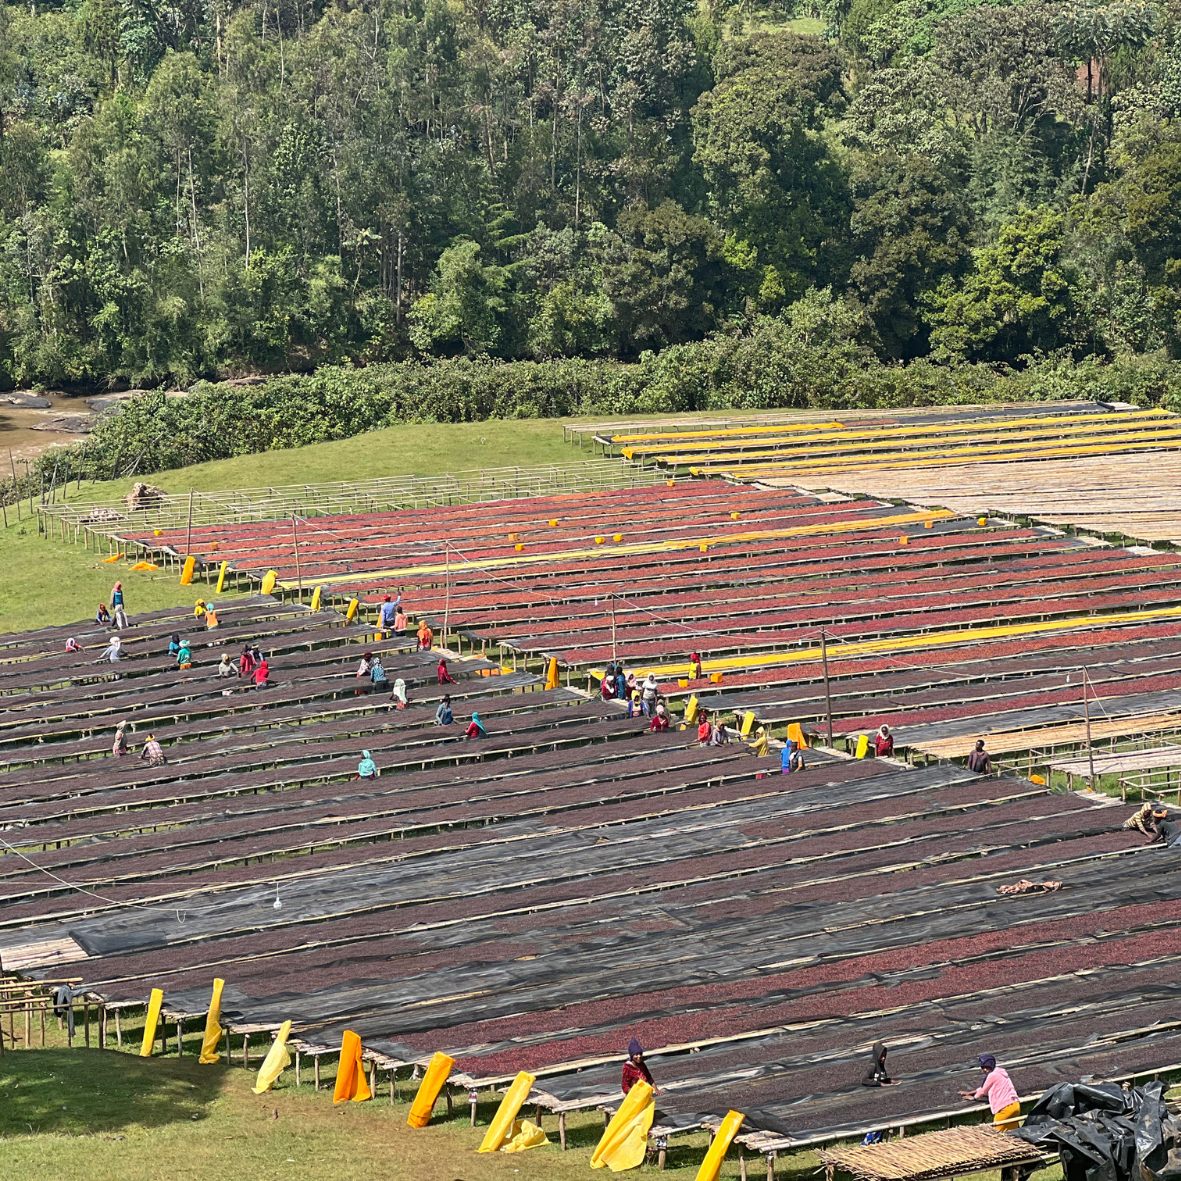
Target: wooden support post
column 770, row 1166
column 29, row 1026
column 297, row 1068
column 741, row 1163
column 69, row 1027
column 180, row 1037
column 1087, row 717
column 316, row 1070
column 562, row 1129
column 372, row 1078
column 102, row 1027
column 537, row 1115
column 118, row 1029
column 246, row 1050
column 827, row 694
column 473, row 1098
column 86, row 1024
column 393, row 1087
column 295, row 540
column 450, row 1102
column 661, row 1151
column 43, row 1028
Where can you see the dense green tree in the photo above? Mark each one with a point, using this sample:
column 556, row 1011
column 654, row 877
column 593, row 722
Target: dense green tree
column 1019, row 298
column 771, row 177
column 909, row 230
column 664, row 273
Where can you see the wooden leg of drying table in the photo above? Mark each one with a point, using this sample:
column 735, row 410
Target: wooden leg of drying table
column 770, row 1166
column 316, row 1070
column 473, row 1097
column 741, row 1164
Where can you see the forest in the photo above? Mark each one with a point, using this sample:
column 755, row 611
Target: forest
column 196, row 189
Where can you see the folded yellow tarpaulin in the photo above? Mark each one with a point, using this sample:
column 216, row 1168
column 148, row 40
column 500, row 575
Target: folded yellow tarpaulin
column 151, row 1020
column 506, row 1113
column 212, row 1039
column 428, row 1090
column 625, row 1139
column 524, row 1135
column 711, row 1166
column 350, row 1074
column 551, row 677
column 277, row 1060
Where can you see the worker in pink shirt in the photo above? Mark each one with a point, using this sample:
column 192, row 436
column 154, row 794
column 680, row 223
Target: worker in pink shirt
column 999, row 1090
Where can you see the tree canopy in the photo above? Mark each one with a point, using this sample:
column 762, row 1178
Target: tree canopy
column 202, row 188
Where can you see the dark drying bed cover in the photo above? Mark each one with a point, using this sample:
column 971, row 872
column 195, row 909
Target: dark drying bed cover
column 1104, row 1133
column 530, row 900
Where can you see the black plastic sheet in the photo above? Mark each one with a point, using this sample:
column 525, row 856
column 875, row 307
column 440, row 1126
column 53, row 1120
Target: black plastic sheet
column 1105, row 1133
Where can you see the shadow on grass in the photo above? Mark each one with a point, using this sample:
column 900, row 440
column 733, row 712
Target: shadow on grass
column 76, row 1092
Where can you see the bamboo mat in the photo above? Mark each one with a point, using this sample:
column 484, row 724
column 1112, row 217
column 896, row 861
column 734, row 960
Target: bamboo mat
column 953, row 1152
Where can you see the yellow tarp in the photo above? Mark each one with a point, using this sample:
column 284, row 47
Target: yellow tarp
column 872, row 429
column 502, row 1122
column 711, row 1166
column 525, row 1135
column 212, row 1039
column 351, row 1083
column 268, row 581
column 186, row 574
column 221, row 576
column 897, row 436
column 428, row 1090
column 277, row 1060
column 551, row 677
column 316, row 598
column 625, row 1139
column 804, row 469
column 151, row 1020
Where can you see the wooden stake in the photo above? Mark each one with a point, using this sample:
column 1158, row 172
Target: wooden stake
column 86, row 1023
column 180, row 1038
column 102, row 1027
column 297, row 1068
column 118, row 1029
column 561, row 1128
column 316, row 1061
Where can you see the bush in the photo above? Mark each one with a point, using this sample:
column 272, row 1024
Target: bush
column 805, row 360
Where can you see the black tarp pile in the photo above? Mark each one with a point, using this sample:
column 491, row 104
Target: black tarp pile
column 1104, row 1133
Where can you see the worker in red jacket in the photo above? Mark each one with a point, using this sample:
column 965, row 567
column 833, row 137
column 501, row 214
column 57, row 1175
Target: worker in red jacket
column 635, row 1069
column 445, row 678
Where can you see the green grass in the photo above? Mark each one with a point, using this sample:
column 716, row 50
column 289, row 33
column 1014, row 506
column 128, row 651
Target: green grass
column 76, row 1113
